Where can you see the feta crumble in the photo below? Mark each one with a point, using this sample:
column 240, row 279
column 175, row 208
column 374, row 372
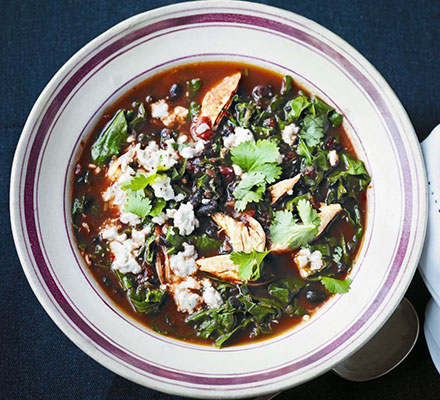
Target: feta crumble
column 333, row 158
column 308, row 262
column 184, row 219
column 163, row 189
column 160, row 219
column 211, row 297
column 184, row 262
column 240, row 135
column 289, row 133
column 159, row 109
column 184, row 296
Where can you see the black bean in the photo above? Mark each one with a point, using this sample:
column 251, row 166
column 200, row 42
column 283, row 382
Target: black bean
column 235, row 303
column 208, row 209
column 315, row 296
column 175, row 91
column 262, row 91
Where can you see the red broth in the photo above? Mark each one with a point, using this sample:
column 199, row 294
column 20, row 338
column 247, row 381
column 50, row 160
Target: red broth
column 169, row 320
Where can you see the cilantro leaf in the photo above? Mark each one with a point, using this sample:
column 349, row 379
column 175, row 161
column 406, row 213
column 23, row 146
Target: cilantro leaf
column 336, row 285
column 259, row 160
column 249, row 155
column 307, row 213
column 286, row 231
column 140, row 181
column 137, row 203
column 248, row 263
column 312, row 130
column 244, row 193
column 270, row 171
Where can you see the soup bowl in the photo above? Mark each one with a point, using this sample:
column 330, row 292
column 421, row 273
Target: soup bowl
column 136, row 49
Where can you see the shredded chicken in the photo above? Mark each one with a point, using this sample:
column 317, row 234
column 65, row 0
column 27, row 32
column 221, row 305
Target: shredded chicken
column 163, row 269
column 281, row 188
column 327, row 213
column 218, row 98
column 220, row 266
column 244, row 236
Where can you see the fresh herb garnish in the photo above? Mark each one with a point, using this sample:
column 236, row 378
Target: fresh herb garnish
column 249, row 264
column 285, row 229
column 137, row 204
column 336, row 285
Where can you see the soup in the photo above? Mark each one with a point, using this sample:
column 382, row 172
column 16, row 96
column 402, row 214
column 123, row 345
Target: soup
column 219, row 203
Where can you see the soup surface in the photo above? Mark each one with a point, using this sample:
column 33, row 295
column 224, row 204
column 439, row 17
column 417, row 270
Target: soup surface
column 219, row 203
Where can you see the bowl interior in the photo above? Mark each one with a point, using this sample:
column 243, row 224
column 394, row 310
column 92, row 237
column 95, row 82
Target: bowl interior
column 235, row 31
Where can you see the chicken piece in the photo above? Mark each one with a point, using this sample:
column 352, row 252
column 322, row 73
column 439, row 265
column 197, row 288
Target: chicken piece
column 164, row 272
column 218, row 98
column 220, row 266
column 279, row 189
column 327, row 213
column 244, row 236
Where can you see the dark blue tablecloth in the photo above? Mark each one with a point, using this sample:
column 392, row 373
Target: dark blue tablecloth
column 401, row 38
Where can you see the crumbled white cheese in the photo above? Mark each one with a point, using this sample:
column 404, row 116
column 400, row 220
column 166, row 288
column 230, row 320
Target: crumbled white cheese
column 280, row 158
column 202, row 128
column 188, row 152
column 150, row 157
column 316, row 260
column 123, row 249
column 288, row 134
column 182, row 139
column 138, row 236
column 115, row 195
column 159, row 109
column 199, row 146
column 184, row 219
column 184, row 296
column 302, row 258
column 109, row 233
column 184, row 262
column 178, row 115
column 211, row 297
column 120, row 166
column 129, row 218
column 160, row 219
column 163, row 189
column 333, row 158
column 171, row 212
column 308, row 262
column 240, row 135
column 124, row 261
column 180, row 197
column 237, row 170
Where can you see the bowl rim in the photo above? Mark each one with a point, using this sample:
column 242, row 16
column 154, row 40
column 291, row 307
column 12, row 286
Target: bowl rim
column 39, row 105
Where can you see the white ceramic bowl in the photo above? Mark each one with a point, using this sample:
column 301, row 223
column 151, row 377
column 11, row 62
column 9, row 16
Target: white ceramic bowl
column 218, row 30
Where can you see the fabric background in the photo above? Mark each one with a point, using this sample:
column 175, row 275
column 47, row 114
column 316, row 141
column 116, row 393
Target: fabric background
column 37, row 361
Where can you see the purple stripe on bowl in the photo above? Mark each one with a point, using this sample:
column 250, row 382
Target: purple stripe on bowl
column 187, row 20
